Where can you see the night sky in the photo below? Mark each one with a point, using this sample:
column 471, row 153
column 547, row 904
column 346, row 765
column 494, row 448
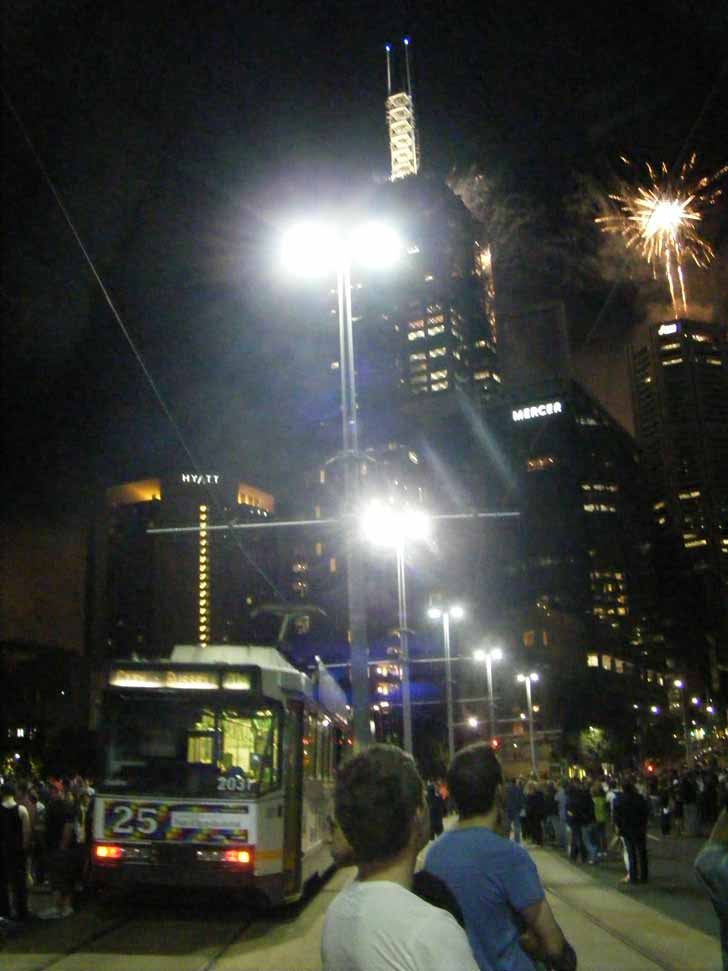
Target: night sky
column 182, row 137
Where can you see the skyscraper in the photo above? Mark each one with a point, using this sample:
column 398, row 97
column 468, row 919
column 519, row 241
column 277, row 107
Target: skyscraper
column 679, row 376
column 427, row 329
column 153, row 591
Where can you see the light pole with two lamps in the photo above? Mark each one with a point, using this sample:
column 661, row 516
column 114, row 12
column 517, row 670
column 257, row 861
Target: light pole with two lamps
column 481, row 655
column 311, row 250
column 386, row 525
column 527, row 679
column 680, row 684
column 455, row 612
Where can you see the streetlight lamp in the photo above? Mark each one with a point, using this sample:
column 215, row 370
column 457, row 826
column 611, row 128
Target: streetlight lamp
column 495, row 654
column 680, row 684
column 527, row 679
column 311, row 250
column 457, row 613
column 386, row 525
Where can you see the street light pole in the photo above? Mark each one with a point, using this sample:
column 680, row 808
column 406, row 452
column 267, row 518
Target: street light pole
column 491, row 699
column 404, row 648
column 391, row 525
column 495, row 654
column 528, row 678
column 313, row 250
column 686, row 731
column 435, row 613
column 530, row 727
column 448, row 686
column 358, row 646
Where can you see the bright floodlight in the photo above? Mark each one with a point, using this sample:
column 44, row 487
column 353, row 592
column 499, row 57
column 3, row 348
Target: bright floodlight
column 695, row 701
column 710, row 709
column 533, row 676
column 678, row 683
column 479, row 655
column 310, row 249
column 520, row 677
column 473, row 722
column 655, row 710
column 457, row 612
column 434, row 613
column 386, row 525
column 497, row 654
column 375, row 245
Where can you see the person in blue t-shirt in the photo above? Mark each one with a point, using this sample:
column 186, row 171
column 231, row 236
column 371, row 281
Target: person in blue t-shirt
column 507, row 918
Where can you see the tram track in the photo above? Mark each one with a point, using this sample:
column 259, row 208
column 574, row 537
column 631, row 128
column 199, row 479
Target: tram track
column 146, row 936
column 624, row 939
column 80, row 946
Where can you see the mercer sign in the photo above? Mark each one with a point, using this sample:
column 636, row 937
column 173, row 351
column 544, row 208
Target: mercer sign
column 537, row 411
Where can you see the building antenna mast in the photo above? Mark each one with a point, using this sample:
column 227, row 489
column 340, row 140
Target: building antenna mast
column 407, row 66
column 403, row 145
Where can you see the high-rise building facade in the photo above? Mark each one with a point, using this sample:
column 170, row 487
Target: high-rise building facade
column 679, row 375
column 197, row 586
column 425, row 329
column 578, row 587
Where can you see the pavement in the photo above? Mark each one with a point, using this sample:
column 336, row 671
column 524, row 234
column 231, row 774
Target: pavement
column 617, row 927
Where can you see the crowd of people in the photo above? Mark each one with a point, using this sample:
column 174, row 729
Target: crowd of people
column 589, row 817
column 478, row 884
column 478, row 902
column 45, row 828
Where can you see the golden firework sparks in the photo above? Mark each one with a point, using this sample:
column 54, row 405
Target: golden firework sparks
column 661, row 219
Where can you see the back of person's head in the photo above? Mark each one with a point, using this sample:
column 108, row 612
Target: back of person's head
column 473, row 779
column 596, row 789
column 378, row 794
column 7, row 789
column 629, row 787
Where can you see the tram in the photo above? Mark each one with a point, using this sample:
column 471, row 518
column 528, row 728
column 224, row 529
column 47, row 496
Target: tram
column 218, row 771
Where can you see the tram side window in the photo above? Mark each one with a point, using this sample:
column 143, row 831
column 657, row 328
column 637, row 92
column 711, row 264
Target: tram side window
column 309, row 746
column 324, row 748
column 318, row 741
column 340, row 749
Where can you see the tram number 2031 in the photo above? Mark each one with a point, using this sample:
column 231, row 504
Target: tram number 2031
column 232, row 783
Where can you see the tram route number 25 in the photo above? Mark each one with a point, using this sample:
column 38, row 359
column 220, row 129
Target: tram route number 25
column 127, row 822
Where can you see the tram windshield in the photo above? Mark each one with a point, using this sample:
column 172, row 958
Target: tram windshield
column 176, row 745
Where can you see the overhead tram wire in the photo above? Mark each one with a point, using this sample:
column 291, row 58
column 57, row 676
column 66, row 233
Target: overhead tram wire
column 213, row 499
column 159, row 530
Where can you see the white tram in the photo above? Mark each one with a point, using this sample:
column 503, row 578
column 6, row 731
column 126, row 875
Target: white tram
column 218, row 772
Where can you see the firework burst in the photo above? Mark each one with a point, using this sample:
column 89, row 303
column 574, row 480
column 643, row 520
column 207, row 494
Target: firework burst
column 660, row 217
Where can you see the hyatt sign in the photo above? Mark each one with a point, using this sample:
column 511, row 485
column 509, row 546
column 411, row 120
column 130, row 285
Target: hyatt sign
column 537, row 411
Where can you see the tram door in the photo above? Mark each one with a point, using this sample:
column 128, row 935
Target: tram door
column 293, row 797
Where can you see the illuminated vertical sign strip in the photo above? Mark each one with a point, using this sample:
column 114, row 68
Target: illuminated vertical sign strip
column 203, row 623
